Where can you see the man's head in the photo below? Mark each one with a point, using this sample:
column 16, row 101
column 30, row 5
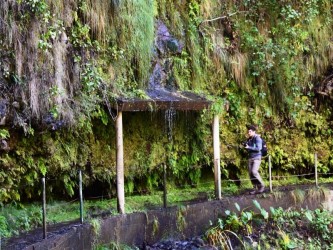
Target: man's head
column 251, row 130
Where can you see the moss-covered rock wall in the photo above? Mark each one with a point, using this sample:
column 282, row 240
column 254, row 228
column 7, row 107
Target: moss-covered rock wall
column 62, row 64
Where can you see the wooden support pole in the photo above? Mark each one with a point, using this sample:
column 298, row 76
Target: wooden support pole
column 44, row 208
column 81, row 196
column 120, row 164
column 216, row 145
column 270, row 174
column 165, row 187
column 316, row 170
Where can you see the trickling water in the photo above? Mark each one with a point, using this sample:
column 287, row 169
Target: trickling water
column 169, row 117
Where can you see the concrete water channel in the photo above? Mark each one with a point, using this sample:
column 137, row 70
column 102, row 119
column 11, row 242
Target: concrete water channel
column 177, row 223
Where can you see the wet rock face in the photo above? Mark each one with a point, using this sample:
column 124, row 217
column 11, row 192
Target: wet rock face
column 4, row 145
column 325, row 87
column 328, row 89
column 166, row 46
column 195, row 243
column 53, row 123
column 3, row 111
column 158, row 76
column 165, row 42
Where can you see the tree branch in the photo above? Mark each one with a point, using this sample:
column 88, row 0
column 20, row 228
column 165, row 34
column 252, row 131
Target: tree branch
column 221, row 17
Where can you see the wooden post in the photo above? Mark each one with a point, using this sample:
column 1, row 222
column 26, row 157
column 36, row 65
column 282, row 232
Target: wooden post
column 44, row 208
column 81, row 196
column 165, row 188
column 270, row 174
column 216, row 145
column 316, row 172
column 120, row 164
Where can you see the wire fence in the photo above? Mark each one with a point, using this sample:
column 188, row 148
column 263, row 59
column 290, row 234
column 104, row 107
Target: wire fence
column 271, row 179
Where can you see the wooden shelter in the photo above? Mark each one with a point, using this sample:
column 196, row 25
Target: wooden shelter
column 161, row 99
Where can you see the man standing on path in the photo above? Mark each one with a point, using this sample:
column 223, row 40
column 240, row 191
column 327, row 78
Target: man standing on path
column 254, row 146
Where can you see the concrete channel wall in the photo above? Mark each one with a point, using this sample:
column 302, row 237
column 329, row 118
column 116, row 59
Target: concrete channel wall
column 137, row 229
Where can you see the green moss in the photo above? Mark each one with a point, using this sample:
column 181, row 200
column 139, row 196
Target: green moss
column 258, row 61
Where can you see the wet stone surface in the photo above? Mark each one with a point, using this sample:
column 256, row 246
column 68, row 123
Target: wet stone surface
column 195, row 243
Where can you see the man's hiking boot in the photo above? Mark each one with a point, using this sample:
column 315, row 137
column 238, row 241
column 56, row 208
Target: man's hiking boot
column 261, row 190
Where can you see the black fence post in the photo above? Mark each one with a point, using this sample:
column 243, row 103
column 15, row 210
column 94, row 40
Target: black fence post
column 44, row 208
column 81, row 196
column 270, row 173
column 316, row 170
column 164, row 188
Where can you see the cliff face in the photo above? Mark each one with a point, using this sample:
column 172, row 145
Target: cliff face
column 64, row 62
